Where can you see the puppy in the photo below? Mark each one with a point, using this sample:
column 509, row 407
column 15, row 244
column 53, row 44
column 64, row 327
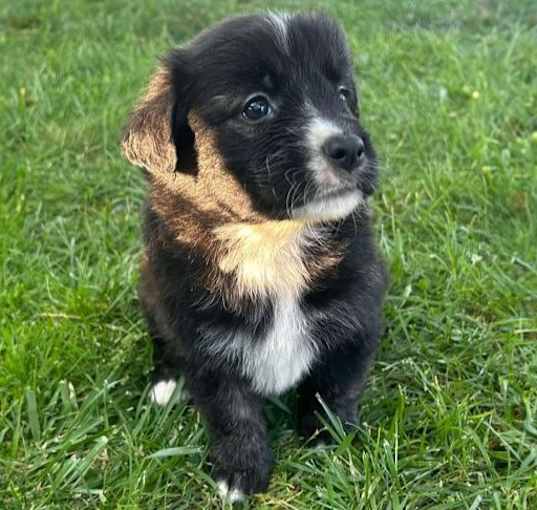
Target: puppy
column 260, row 272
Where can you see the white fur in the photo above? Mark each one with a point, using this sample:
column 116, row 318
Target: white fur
column 278, row 361
column 162, row 392
column 332, row 208
column 279, row 22
column 231, row 495
column 318, row 131
column 284, row 354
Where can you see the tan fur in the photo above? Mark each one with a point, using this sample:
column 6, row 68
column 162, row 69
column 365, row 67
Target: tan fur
column 146, row 140
column 266, row 258
column 147, row 143
column 195, row 204
column 211, row 213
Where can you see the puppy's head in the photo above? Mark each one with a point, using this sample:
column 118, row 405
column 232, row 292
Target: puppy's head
column 277, row 95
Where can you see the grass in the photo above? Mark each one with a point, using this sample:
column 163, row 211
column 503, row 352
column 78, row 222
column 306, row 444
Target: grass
column 450, row 415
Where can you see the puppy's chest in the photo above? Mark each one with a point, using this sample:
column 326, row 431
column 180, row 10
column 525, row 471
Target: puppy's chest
column 268, row 263
column 283, row 355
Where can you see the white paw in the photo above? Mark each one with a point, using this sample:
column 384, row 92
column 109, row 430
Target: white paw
column 230, row 495
column 162, row 392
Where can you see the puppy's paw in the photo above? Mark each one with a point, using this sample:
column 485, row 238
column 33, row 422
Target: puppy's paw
column 231, row 495
column 234, row 486
column 162, row 391
column 313, row 430
column 310, row 427
column 314, row 433
column 241, row 467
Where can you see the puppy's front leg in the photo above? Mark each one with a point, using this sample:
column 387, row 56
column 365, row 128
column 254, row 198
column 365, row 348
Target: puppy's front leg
column 240, row 449
column 339, row 380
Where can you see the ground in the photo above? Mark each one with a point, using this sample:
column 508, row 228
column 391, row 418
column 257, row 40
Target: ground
column 449, row 92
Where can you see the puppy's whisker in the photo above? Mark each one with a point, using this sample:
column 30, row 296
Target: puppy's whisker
column 355, row 225
column 291, row 198
column 307, row 189
column 288, row 207
column 269, row 173
column 295, row 198
column 286, row 176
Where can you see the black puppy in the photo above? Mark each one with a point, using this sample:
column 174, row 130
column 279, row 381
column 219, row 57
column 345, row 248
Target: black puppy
column 260, row 272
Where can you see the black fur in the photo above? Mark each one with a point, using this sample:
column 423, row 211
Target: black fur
column 214, row 76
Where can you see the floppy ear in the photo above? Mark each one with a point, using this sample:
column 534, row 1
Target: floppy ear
column 157, row 136
column 182, row 86
column 147, row 138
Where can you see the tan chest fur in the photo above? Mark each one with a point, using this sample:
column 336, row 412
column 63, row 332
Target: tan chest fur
column 267, row 259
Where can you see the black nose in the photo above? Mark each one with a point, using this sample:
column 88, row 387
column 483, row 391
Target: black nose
column 344, row 151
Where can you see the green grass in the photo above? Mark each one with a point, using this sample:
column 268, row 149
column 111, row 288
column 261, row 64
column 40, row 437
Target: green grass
column 450, row 415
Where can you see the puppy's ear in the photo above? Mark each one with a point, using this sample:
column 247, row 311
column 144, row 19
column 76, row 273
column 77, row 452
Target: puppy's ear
column 183, row 138
column 147, row 138
column 157, row 136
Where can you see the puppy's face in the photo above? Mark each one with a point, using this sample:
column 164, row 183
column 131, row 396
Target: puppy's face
column 278, row 94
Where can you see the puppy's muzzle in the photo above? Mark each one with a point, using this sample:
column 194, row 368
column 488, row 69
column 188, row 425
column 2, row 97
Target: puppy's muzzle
column 344, row 152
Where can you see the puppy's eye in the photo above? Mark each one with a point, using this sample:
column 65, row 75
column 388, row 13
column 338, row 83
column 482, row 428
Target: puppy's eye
column 256, row 108
column 344, row 94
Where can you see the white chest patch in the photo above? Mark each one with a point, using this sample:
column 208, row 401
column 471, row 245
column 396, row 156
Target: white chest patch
column 278, row 361
column 267, row 263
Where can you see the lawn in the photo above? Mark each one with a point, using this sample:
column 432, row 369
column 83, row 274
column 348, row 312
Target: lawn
column 449, row 92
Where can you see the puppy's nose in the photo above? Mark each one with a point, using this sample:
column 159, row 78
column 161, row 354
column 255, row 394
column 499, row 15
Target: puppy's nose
column 344, row 151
